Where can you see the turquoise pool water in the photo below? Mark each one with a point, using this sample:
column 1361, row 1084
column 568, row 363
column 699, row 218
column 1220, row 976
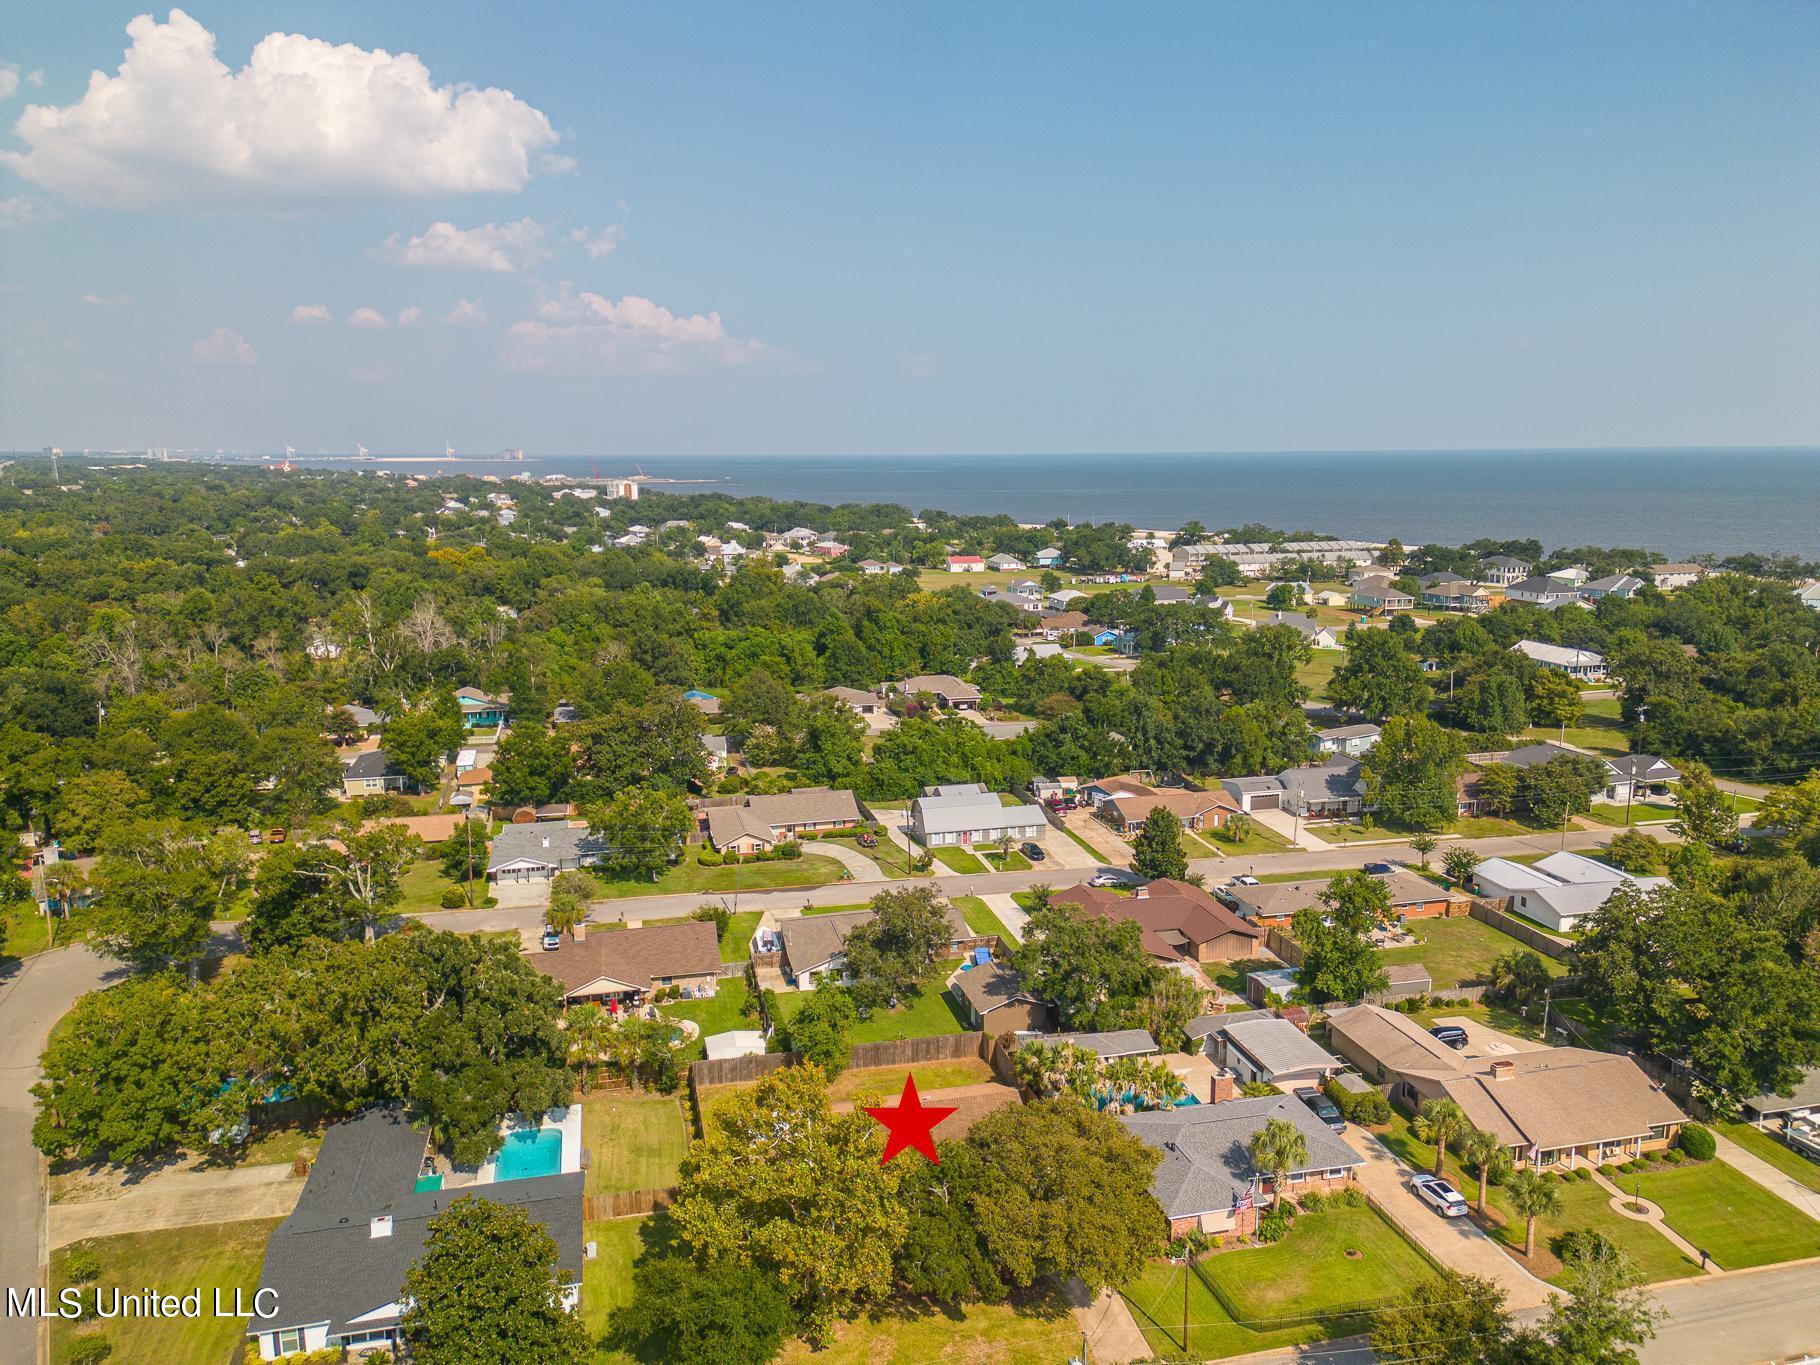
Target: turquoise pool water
column 1101, row 1100
column 527, row 1154
column 427, row 1182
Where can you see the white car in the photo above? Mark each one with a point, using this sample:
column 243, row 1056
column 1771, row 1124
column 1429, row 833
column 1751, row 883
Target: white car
column 1440, row 1195
column 1105, row 879
column 1243, row 881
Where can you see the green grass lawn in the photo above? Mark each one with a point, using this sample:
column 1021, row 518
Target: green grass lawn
column 211, row 1256
column 634, row 1141
column 1584, row 1204
column 1487, row 827
column 23, row 932
column 1319, row 671
column 889, row 1080
column 1303, row 1286
column 1257, row 840
column 736, row 943
column 1231, row 975
column 1492, row 1015
column 1458, row 950
column 957, row 859
column 931, row 1013
column 1727, row 1214
column 725, row 1011
column 892, row 859
column 981, row 919
column 1036, row 1328
column 1008, row 862
column 1641, row 813
column 423, row 885
column 1600, row 734
column 606, row 1281
column 1779, row 1154
column 690, row 877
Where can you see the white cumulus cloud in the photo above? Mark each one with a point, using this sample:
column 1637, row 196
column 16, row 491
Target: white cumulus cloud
column 223, row 348
column 503, row 248
column 369, row 318
column 587, row 333
column 17, row 211
column 303, row 120
column 9, row 82
column 410, row 317
column 311, row 314
column 108, row 300
column 601, row 243
column 466, row 313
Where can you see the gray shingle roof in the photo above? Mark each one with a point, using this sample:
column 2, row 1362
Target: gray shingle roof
column 1125, row 1042
column 546, row 841
column 1206, row 1157
column 373, row 763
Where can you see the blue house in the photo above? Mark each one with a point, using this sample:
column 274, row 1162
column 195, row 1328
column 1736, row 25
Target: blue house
column 1121, row 640
column 479, row 710
column 1049, row 558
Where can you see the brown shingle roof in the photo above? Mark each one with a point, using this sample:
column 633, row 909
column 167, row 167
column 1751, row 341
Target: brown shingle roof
column 986, row 988
column 812, row 941
column 1162, row 907
column 634, row 956
column 1285, row 898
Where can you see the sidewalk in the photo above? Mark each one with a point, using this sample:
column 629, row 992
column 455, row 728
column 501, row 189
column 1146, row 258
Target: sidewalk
column 1457, row 1243
column 1776, row 1182
column 1652, row 1214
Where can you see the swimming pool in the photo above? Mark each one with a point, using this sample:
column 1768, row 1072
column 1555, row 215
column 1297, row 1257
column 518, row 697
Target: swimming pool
column 1101, row 1099
column 528, row 1154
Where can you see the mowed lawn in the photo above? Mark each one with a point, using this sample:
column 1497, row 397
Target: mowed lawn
column 690, row 877
column 889, row 1080
column 634, row 1141
column 1035, row 1329
column 1459, row 949
column 736, row 943
column 931, row 1013
column 210, row 1256
column 981, row 918
column 606, row 1281
column 1779, row 1154
column 1728, row 1215
column 724, row 1012
column 1306, row 1283
column 1319, row 671
column 957, row 859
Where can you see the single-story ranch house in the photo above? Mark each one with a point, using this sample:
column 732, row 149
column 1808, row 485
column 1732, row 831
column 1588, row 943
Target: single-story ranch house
column 950, row 692
column 369, row 774
column 1178, row 920
column 1564, row 1104
column 993, row 998
column 1275, row 903
column 1557, row 891
column 537, row 852
column 1271, row 1049
column 624, row 966
column 814, row 945
column 962, row 813
column 335, row 1268
column 762, row 822
column 1580, row 664
column 1108, row 1047
column 1629, row 777
column 1127, row 810
column 1207, row 1180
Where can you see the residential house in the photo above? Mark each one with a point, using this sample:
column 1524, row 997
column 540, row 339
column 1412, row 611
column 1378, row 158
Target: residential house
column 705, row 702
column 334, row 1270
column 1003, row 563
column 966, row 813
column 1275, row 903
column 1126, row 811
column 814, row 946
column 1542, row 591
column 1056, row 624
column 1049, row 558
column 1035, row 649
column 536, row 852
column 1207, row 1181
column 994, row 1000
column 1178, row 920
column 1380, row 594
column 432, row 829
column 1668, row 577
column 1804, row 1100
column 1582, row 665
column 1558, row 891
column 622, row 968
column 1808, row 594
column 1119, row 641
column 480, row 710
column 1271, row 1050
column 1574, row 574
column 1254, row 794
column 763, row 822
column 1456, row 594
column 1350, row 741
column 370, row 774
column 1325, row 791
column 871, row 568
column 1330, row 597
column 966, row 564
column 1548, row 1106
column 1066, row 598
column 1504, row 570
column 857, row 699
column 1110, row 1047
column 950, row 693
column 799, row 535
column 1311, row 630
column 1171, row 595
column 1617, row 585
column 1630, row 777
column 1214, row 602
column 720, row 751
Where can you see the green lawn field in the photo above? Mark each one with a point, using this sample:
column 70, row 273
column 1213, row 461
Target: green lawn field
column 1728, row 1215
column 634, row 1141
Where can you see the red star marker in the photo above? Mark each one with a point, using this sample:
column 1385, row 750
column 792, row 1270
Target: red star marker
column 911, row 1123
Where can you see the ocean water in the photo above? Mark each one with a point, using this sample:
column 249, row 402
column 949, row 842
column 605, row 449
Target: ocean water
column 1679, row 502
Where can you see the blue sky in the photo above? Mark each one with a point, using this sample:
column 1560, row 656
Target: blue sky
column 859, row 228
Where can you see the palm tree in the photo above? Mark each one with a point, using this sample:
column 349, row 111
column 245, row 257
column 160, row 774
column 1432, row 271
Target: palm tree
column 565, row 913
column 1424, row 844
column 1480, row 1149
column 1533, row 1195
column 1277, row 1149
column 1441, row 1122
column 589, row 1031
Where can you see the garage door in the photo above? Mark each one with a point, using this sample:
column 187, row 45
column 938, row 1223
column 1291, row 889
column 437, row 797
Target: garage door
column 1266, row 800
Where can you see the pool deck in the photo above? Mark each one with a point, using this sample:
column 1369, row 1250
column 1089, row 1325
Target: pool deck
column 566, row 1120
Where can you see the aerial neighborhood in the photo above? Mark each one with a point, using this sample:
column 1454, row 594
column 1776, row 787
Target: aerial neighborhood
column 1298, row 935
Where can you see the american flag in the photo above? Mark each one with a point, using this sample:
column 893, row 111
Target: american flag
column 1247, row 1199
column 1535, row 1154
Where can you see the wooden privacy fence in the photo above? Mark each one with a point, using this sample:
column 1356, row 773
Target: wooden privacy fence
column 627, row 1203
column 1488, row 912
column 1285, row 947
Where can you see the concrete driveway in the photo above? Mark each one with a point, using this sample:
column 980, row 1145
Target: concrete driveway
column 1484, row 1041
column 37, row 992
column 1095, row 832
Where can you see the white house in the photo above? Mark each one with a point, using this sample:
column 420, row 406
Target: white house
column 1003, row 563
column 1580, row 664
column 1061, row 601
column 1311, row 630
column 1809, row 594
column 1503, row 570
column 1542, row 591
column 964, row 813
column 1560, row 890
column 966, row 564
column 1671, row 576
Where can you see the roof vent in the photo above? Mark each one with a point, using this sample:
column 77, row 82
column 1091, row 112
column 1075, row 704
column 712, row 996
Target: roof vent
column 546, row 841
column 1502, row 1068
column 380, row 1226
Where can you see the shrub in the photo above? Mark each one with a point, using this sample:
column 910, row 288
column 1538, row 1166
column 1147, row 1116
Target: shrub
column 1675, row 1157
column 1583, row 1173
column 1275, row 1222
column 1698, row 1142
column 708, row 859
column 1216, row 1241
column 1365, row 1108
column 1608, row 1170
column 82, row 1266
column 451, row 898
column 1582, row 1241
column 300, row 1166
column 1313, row 1201
column 89, row 1349
column 1347, row 1197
